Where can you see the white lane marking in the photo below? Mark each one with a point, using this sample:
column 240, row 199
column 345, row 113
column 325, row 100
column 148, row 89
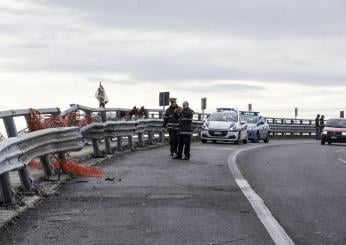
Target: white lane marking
column 340, row 150
column 342, row 160
column 276, row 232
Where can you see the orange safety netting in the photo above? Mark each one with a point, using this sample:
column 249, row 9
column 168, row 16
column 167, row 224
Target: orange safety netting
column 71, row 167
column 38, row 121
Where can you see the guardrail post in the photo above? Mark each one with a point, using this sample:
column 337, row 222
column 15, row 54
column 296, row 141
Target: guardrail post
column 150, row 137
column 23, row 173
column 47, row 166
column 119, row 143
column 107, row 138
column 130, row 142
column 7, row 196
column 140, row 140
column 96, row 148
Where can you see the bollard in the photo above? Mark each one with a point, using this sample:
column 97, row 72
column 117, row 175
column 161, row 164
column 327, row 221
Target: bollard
column 8, row 196
column 23, row 173
column 96, row 148
column 140, row 140
column 119, row 143
column 130, row 143
column 47, row 166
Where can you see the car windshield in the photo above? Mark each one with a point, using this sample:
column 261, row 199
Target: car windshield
column 336, row 123
column 224, row 117
column 252, row 119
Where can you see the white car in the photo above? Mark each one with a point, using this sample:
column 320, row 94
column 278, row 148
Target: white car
column 226, row 125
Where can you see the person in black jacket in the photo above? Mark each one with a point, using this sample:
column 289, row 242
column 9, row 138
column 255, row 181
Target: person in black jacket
column 317, row 125
column 322, row 123
column 185, row 131
column 171, row 122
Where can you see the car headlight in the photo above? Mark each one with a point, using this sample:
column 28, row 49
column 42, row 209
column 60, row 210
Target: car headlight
column 325, row 132
column 233, row 129
column 343, row 133
column 205, row 126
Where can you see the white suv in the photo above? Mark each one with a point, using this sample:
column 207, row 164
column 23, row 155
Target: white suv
column 227, row 124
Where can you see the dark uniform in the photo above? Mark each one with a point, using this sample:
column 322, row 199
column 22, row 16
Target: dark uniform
column 171, row 122
column 185, row 133
column 317, row 125
column 322, row 123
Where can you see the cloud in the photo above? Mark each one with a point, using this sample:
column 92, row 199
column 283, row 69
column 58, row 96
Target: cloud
column 203, row 46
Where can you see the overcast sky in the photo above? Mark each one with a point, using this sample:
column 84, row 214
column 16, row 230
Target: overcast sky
column 274, row 54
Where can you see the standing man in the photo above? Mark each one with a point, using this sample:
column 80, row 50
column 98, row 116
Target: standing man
column 171, row 122
column 317, row 125
column 322, row 123
column 185, row 131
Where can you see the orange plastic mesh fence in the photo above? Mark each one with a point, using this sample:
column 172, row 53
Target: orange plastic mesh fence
column 37, row 121
column 71, row 167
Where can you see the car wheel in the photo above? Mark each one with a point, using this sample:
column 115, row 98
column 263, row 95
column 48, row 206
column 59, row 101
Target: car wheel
column 204, row 141
column 322, row 142
column 238, row 141
column 266, row 140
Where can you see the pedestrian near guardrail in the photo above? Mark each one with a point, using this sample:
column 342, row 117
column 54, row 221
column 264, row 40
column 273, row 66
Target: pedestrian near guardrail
column 321, row 124
column 172, row 124
column 317, row 125
column 185, row 131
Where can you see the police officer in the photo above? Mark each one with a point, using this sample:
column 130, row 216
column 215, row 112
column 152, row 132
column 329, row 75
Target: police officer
column 322, row 123
column 171, row 122
column 185, row 131
column 317, row 125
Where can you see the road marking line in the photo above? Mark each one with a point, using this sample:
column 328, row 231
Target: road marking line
column 340, row 150
column 342, row 160
column 276, row 232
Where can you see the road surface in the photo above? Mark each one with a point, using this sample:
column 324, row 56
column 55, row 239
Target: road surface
column 156, row 200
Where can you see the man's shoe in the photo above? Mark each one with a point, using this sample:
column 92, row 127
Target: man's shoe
column 177, row 157
column 186, row 158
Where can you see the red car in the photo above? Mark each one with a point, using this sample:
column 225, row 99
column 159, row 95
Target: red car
column 335, row 131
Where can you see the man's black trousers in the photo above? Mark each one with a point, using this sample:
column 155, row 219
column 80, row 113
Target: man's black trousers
column 184, row 144
column 173, row 140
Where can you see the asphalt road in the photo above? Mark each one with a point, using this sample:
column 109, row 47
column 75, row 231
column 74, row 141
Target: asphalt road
column 304, row 186
column 153, row 200
column 156, row 200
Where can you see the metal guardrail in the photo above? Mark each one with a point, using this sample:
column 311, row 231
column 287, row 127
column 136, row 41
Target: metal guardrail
column 16, row 152
column 291, row 127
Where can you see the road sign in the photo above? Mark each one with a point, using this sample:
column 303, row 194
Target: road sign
column 342, row 114
column 250, row 107
column 164, row 98
column 296, row 112
column 203, row 103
